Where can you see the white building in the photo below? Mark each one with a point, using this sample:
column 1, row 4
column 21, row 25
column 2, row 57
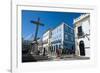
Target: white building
column 46, row 41
column 40, row 45
column 82, row 35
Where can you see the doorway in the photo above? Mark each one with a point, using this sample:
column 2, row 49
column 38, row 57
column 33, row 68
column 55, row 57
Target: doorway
column 82, row 48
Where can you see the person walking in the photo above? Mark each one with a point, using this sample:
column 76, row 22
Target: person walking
column 44, row 51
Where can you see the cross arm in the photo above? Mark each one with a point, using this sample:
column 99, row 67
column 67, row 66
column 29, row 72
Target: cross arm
column 37, row 23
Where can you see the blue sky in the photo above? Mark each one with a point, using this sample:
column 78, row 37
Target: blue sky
column 50, row 19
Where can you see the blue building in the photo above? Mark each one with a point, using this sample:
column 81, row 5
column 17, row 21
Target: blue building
column 62, row 37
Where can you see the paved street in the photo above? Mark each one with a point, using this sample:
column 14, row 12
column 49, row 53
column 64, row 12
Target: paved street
column 36, row 58
column 70, row 58
column 28, row 58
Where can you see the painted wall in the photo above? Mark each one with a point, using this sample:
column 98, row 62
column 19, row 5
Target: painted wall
column 63, row 35
column 85, row 24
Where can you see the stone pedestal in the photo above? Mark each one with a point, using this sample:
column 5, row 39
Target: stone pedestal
column 34, row 48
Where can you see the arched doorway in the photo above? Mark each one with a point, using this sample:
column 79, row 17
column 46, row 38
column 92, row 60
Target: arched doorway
column 82, row 48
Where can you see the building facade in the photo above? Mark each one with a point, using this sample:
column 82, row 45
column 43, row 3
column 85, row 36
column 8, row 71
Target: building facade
column 46, row 42
column 82, row 35
column 40, row 45
column 62, row 38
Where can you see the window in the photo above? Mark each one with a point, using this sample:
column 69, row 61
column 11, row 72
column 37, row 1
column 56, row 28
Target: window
column 66, row 37
column 60, row 29
column 56, row 46
column 59, row 46
column 80, row 32
column 72, row 39
column 71, row 31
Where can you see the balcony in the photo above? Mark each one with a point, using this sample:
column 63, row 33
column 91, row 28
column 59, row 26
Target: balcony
column 80, row 34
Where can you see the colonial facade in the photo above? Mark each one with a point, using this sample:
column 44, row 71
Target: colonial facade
column 40, row 45
column 63, row 38
column 82, row 35
column 46, row 41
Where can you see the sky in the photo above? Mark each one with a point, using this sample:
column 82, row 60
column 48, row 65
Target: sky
column 49, row 19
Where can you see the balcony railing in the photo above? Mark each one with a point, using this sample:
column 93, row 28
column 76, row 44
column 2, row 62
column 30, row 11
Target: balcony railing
column 80, row 35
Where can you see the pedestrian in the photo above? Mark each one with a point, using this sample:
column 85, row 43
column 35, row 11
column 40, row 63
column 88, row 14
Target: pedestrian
column 44, row 52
